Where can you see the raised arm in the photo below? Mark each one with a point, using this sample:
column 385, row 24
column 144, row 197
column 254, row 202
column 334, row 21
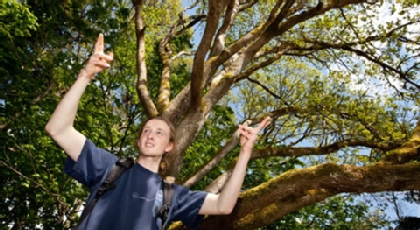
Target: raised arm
column 226, row 200
column 60, row 126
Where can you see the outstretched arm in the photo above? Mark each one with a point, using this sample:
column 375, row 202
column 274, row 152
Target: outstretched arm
column 60, row 125
column 226, row 200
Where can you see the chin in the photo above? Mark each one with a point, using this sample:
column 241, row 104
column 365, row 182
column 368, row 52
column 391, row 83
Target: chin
column 149, row 154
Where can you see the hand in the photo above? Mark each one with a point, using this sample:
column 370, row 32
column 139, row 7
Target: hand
column 249, row 134
column 98, row 61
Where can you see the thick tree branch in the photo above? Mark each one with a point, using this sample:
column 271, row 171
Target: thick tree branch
column 179, row 105
column 197, row 75
column 294, row 189
column 165, row 53
column 141, row 85
column 220, row 38
column 409, row 151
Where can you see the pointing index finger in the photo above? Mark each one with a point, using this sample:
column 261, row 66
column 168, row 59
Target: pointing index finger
column 99, row 45
column 263, row 124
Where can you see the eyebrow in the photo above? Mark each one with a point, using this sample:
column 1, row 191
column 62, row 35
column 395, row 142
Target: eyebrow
column 158, row 128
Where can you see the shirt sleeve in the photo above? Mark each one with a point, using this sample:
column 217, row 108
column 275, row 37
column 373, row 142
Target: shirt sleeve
column 186, row 206
column 92, row 164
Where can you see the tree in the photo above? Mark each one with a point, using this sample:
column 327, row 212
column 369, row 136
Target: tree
column 295, row 61
column 339, row 212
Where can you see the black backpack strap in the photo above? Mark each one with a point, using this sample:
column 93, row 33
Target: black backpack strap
column 109, row 184
column 168, row 194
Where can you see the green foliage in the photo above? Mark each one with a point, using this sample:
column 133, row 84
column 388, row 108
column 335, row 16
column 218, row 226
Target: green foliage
column 16, row 19
column 17, row 25
column 331, row 111
column 44, row 48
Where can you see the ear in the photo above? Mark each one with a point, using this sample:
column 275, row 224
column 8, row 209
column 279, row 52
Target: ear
column 169, row 147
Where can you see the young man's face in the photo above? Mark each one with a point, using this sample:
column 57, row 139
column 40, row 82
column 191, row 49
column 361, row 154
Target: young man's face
column 154, row 138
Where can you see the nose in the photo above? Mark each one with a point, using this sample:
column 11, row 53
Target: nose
column 150, row 136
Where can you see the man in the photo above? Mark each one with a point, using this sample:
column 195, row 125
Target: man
column 132, row 203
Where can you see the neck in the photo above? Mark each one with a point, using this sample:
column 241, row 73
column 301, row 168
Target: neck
column 151, row 163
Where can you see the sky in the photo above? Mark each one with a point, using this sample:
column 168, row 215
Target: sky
column 377, row 87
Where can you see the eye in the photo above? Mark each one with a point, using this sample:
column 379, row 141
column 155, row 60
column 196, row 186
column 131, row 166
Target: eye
column 145, row 131
column 159, row 132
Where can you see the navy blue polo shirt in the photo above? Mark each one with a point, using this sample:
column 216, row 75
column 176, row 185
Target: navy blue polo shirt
column 131, row 204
